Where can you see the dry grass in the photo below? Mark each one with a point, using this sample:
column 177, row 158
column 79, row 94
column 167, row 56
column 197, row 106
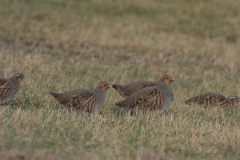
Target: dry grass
column 62, row 45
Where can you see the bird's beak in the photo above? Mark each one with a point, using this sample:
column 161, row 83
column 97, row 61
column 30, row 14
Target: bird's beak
column 173, row 79
column 25, row 76
column 110, row 86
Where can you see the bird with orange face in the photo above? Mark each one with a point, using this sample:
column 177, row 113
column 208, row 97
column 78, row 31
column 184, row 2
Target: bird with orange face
column 154, row 98
column 84, row 100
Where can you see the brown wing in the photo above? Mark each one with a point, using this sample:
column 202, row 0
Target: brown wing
column 5, row 88
column 127, row 90
column 147, row 97
column 65, row 98
column 84, row 101
column 216, row 100
column 151, row 100
column 144, row 85
column 140, row 97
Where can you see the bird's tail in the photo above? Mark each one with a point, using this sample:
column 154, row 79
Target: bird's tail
column 115, row 86
column 120, row 104
column 54, row 94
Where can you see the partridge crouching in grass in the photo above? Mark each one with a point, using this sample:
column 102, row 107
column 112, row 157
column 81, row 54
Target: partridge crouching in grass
column 9, row 87
column 84, row 100
column 155, row 98
column 213, row 99
column 128, row 89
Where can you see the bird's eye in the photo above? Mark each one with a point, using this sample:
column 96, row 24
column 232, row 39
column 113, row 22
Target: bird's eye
column 105, row 85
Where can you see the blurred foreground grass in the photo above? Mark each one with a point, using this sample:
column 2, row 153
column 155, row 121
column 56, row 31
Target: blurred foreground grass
column 62, row 45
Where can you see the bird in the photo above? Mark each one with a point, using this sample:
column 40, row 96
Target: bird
column 213, row 99
column 9, row 87
column 84, row 100
column 128, row 89
column 154, row 98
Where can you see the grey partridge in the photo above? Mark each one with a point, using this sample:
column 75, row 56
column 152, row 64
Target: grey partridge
column 155, row 98
column 213, row 99
column 128, row 89
column 84, row 100
column 9, row 87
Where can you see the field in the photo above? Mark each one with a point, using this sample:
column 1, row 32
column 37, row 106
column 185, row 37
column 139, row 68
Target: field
column 68, row 44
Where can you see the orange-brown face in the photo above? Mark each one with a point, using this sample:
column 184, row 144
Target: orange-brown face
column 168, row 80
column 104, row 86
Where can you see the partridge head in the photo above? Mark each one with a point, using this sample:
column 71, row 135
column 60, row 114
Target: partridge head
column 17, row 77
column 168, row 80
column 234, row 100
column 103, row 86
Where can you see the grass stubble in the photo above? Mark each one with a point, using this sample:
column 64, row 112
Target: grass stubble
column 63, row 45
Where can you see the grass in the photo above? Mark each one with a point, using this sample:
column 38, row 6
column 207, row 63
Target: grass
column 62, row 45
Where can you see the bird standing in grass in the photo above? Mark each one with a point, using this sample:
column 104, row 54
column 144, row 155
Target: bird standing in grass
column 84, row 100
column 153, row 98
column 9, row 87
column 213, row 99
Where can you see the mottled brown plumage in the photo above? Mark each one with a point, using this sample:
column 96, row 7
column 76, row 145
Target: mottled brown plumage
column 213, row 99
column 9, row 87
column 84, row 100
column 152, row 98
column 127, row 90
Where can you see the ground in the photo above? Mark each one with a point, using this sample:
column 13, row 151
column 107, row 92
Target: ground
column 62, row 45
